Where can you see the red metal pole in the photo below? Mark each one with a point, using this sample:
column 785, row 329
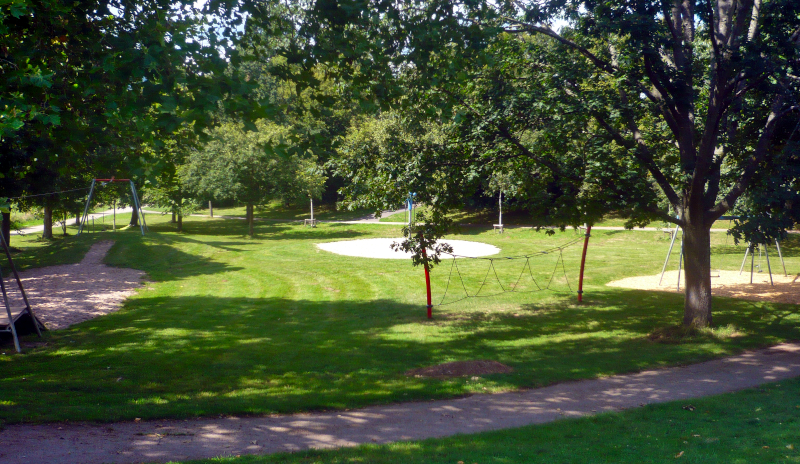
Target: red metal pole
column 428, row 284
column 583, row 262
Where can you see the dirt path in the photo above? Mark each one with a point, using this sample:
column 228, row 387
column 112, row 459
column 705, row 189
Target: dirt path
column 166, row 440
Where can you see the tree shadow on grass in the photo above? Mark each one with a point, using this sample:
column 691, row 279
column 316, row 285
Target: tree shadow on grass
column 196, row 356
column 263, row 230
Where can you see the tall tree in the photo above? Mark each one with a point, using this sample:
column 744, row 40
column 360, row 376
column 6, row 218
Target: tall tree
column 81, row 76
column 677, row 105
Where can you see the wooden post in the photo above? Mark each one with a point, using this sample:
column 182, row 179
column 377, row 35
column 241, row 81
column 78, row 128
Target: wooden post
column 500, row 203
column 210, row 209
column 583, row 262
column 114, row 225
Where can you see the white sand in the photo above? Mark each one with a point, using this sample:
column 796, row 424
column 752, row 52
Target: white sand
column 381, row 248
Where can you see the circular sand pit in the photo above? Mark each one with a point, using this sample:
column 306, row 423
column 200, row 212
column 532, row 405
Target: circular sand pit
column 381, row 248
column 786, row 289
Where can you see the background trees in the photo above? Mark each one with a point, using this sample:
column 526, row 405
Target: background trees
column 250, row 167
column 82, row 80
column 659, row 109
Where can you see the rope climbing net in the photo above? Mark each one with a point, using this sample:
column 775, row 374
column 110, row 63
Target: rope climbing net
column 514, row 281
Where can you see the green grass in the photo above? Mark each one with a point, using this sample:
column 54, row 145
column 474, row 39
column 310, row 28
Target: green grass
column 750, row 427
column 277, row 211
column 233, row 325
column 488, row 216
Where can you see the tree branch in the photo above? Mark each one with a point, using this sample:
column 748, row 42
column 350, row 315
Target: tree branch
column 642, row 154
column 756, row 159
column 600, row 63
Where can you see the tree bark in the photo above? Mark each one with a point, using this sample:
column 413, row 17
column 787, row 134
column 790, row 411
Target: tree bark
column 250, row 220
column 180, row 223
column 7, row 228
column 134, row 218
column 77, row 219
column 174, row 217
column 48, row 222
column 697, row 280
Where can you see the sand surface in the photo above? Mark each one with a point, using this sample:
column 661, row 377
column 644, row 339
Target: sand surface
column 784, row 289
column 382, row 248
column 68, row 294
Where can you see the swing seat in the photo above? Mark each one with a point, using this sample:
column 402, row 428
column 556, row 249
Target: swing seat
column 310, row 222
column 498, row 228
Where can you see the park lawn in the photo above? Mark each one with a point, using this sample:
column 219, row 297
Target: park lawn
column 489, row 216
column 227, row 324
column 277, row 211
column 757, row 426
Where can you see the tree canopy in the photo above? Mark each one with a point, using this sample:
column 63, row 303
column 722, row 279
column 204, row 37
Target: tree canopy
column 87, row 79
column 659, row 109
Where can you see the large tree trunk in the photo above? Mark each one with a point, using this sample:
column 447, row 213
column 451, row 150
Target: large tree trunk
column 174, row 217
column 250, row 219
column 48, row 222
column 7, row 228
column 180, row 222
column 697, row 254
column 134, row 218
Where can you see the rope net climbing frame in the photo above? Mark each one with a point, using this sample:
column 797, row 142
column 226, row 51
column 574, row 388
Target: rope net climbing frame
column 491, row 277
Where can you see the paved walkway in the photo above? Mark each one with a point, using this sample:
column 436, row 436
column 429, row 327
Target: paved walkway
column 71, row 221
column 168, row 440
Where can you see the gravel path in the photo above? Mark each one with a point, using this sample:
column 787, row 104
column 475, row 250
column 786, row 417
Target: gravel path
column 63, row 295
column 166, row 440
column 68, row 294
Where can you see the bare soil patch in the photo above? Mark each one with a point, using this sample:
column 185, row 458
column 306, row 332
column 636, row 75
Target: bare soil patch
column 461, row 369
column 785, row 289
column 61, row 296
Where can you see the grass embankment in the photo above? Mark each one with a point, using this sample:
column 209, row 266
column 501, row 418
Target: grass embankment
column 489, row 216
column 277, row 212
column 232, row 325
column 752, row 427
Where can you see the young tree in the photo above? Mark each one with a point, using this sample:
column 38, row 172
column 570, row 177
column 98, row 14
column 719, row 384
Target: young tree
column 669, row 109
column 250, row 167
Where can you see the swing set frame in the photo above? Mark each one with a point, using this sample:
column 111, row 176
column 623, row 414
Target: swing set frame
column 137, row 205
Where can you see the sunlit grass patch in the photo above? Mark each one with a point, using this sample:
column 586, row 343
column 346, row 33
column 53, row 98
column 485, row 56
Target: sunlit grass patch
column 229, row 324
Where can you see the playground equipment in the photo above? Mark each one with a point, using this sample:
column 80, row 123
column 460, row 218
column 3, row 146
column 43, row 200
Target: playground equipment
column 137, row 206
column 18, row 314
column 751, row 252
column 499, row 227
column 750, row 246
column 311, row 222
column 509, row 287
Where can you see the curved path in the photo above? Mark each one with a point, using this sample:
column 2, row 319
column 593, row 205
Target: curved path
column 176, row 440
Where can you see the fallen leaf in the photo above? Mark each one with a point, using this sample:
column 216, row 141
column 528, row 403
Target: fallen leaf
column 790, row 446
column 679, row 455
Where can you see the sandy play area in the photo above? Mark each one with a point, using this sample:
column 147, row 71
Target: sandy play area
column 64, row 295
column 786, row 289
column 381, row 248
